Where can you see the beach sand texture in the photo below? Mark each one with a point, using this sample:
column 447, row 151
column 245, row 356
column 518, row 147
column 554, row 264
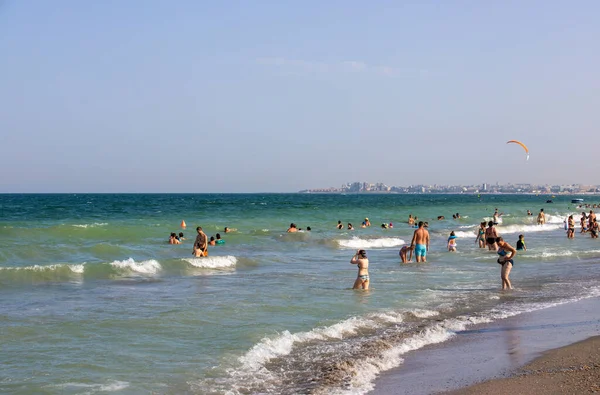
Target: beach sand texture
column 574, row 369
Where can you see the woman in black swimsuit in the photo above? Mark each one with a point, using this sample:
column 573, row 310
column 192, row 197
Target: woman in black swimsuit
column 490, row 236
column 506, row 253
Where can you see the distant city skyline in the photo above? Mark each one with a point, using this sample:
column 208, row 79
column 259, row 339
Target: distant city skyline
column 362, row 186
column 283, row 96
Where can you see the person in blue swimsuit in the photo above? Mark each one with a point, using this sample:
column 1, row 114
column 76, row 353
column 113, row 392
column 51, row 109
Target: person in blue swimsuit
column 506, row 254
column 420, row 242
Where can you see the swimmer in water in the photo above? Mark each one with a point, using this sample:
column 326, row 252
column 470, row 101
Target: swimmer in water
column 583, row 222
column 200, row 244
column 570, row 227
column 292, row 228
column 490, row 236
column 541, row 218
column 360, row 259
column 173, row 239
column 521, row 244
column 481, row 235
column 420, row 242
column 452, row 242
column 404, row 252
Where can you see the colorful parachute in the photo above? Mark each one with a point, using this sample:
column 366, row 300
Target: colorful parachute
column 521, row 144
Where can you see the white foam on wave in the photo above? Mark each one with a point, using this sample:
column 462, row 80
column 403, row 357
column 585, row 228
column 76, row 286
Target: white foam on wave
column 363, row 371
column 366, row 371
column 144, row 267
column 212, row 262
column 467, row 235
column 96, row 224
column 269, row 348
column 488, row 219
column 357, row 242
column 552, row 253
column 111, row 386
column 557, row 219
column 529, row 228
column 79, row 268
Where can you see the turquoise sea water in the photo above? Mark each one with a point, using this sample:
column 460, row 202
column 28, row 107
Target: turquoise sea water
column 95, row 300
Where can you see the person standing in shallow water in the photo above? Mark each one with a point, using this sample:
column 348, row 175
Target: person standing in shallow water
column 481, row 235
column 490, row 236
column 506, row 254
column 360, row 259
column 420, row 242
column 541, row 218
column 570, row 227
column 200, row 244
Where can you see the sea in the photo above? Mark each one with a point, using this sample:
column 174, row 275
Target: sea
column 93, row 298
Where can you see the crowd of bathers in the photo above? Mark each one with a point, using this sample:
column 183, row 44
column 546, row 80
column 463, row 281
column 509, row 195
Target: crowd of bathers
column 487, row 237
column 202, row 241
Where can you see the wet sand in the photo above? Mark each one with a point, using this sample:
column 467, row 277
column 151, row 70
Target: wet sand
column 501, row 350
column 573, row 369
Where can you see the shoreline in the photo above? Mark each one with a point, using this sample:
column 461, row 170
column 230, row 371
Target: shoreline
column 573, row 369
column 494, row 351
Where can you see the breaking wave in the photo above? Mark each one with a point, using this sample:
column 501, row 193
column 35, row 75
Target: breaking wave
column 212, row 262
column 357, row 242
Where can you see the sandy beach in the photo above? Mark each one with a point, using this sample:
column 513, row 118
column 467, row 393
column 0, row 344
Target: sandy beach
column 574, row 369
column 550, row 351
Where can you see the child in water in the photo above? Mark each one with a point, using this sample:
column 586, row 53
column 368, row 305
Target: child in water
column 404, row 252
column 521, row 243
column 452, row 242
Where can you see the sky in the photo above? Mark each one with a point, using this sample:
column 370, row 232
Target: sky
column 277, row 96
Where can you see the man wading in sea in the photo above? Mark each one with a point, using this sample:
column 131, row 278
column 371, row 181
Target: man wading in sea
column 420, row 242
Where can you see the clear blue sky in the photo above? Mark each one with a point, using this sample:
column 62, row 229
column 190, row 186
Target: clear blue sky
column 278, row 96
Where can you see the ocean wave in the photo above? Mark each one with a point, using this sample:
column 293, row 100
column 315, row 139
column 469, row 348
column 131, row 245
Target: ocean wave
column 346, row 357
column 74, row 268
column 468, row 235
column 94, row 225
column 212, row 262
column 553, row 253
column 111, row 386
column 144, row 267
column 528, row 228
column 357, row 242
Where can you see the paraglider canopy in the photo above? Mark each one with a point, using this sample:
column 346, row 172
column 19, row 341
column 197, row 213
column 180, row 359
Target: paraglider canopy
column 522, row 145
